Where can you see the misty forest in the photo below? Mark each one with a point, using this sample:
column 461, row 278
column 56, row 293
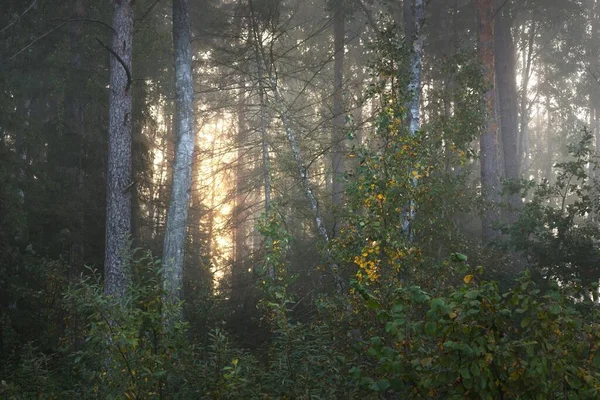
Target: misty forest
column 300, row 199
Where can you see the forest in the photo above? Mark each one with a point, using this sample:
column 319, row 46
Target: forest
column 300, row 199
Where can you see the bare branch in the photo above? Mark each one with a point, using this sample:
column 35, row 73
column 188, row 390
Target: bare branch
column 95, row 21
column 35, row 41
column 369, row 16
column 19, row 17
column 120, row 60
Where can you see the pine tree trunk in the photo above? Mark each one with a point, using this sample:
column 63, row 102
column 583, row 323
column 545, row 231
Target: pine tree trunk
column 527, row 56
column 490, row 180
column 505, row 67
column 177, row 216
column 119, row 179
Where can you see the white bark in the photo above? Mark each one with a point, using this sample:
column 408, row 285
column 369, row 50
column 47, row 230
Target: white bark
column 414, row 29
column 307, row 186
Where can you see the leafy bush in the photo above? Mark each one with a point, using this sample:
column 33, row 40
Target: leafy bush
column 475, row 342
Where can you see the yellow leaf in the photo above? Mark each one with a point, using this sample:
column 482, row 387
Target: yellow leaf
column 468, row 279
column 452, row 315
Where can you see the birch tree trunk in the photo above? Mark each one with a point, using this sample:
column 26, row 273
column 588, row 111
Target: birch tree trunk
column 307, row 187
column 177, row 216
column 413, row 21
column 119, row 180
column 505, row 68
column 490, row 179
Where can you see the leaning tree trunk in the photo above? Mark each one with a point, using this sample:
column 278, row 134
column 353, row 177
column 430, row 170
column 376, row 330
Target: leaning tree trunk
column 177, row 216
column 490, row 179
column 505, row 67
column 307, row 186
column 119, row 181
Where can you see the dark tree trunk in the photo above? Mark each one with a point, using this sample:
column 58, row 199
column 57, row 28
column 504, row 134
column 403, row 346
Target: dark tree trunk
column 119, row 180
column 177, row 217
column 490, row 180
column 76, row 129
column 506, row 82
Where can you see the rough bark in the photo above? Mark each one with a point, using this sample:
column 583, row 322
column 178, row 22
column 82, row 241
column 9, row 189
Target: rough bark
column 119, row 179
column 506, row 80
column 177, row 216
column 337, row 135
column 490, row 179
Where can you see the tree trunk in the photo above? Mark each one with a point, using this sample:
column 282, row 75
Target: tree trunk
column 594, row 95
column 506, row 80
column 119, row 180
column 306, row 185
column 490, row 180
column 177, row 216
column 259, row 56
column 337, row 136
column 413, row 20
column 527, row 56
column 75, row 126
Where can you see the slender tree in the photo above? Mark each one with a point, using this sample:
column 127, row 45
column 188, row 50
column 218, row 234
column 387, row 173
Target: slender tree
column 490, row 180
column 119, row 181
column 337, row 136
column 177, row 216
column 506, row 80
column 414, row 15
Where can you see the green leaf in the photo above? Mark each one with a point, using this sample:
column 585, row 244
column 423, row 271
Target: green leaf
column 383, row 385
column 525, row 322
column 554, row 309
column 458, row 257
column 430, row 328
column 373, row 304
column 464, row 372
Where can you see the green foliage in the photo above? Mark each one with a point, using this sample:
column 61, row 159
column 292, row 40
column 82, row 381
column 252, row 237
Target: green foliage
column 557, row 231
column 475, row 342
column 407, row 189
column 140, row 358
